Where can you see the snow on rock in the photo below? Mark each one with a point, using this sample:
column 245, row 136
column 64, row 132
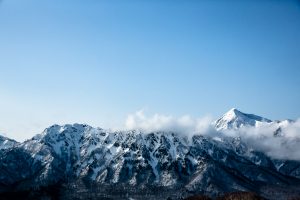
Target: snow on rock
column 235, row 119
column 199, row 163
column 6, row 143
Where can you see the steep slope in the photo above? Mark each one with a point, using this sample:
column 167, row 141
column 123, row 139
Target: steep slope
column 131, row 159
column 86, row 162
column 235, row 119
column 6, row 143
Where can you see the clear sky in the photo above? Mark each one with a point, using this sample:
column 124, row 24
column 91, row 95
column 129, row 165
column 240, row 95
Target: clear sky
column 93, row 61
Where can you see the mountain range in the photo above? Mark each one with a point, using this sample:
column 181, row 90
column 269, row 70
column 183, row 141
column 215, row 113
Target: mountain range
column 77, row 161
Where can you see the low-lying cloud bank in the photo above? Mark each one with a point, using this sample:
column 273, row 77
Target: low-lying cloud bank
column 158, row 122
column 278, row 140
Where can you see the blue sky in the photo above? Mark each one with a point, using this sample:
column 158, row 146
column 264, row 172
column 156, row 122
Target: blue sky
column 97, row 61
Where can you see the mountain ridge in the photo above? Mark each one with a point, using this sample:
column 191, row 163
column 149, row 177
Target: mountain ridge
column 138, row 161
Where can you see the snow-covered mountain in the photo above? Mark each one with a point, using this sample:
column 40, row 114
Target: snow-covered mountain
column 6, row 143
column 235, row 119
column 130, row 164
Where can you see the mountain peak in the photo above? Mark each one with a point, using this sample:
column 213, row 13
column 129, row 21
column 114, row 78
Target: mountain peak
column 233, row 112
column 234, row 119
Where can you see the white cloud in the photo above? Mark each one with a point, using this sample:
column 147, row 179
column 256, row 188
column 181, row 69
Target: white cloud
column 159, row 122
column 285, row 146
column 261, row 138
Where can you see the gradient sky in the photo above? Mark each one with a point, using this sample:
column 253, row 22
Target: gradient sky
column 93, row 61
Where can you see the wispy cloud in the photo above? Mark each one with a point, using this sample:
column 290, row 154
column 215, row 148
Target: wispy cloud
column 159, row 122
